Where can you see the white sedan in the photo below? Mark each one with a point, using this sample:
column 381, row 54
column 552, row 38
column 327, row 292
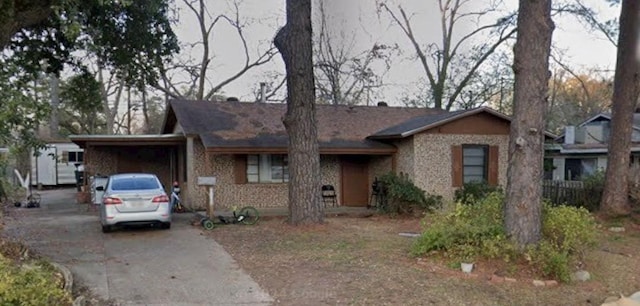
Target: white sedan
column 132, row 199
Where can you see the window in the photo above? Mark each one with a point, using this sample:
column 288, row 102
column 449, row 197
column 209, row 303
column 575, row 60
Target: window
column 267, row 168
column 474, row 163
column 576, row 169
column 548, row 168
column 75, row 157
column 135, row 183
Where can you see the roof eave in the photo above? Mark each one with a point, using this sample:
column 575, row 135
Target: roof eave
column 284, row 150
column 163, row 139
column 385, row 137
column 453, row 118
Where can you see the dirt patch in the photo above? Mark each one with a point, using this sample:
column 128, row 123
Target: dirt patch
column 364, row 261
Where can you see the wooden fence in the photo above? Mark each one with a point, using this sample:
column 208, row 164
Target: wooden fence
column 572, row 193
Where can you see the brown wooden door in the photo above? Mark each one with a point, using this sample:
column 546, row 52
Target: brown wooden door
column 355, row 183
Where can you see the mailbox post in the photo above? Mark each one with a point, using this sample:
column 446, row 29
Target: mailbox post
column 208, row 181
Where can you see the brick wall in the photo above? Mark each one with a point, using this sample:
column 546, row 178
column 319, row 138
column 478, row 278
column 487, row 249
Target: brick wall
column 228, row 193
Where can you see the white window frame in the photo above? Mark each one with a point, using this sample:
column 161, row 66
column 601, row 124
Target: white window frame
column 261, row 168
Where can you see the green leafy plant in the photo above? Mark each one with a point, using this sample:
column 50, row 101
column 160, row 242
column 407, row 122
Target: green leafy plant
column 471, row 192
column 30, row 285
column 593, row 188
column 569, row 229
column 477, row 231
column 401, row 195
column 551, row 261
column 468, row 231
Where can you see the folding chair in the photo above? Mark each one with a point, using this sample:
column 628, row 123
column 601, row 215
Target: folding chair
column 329, row 195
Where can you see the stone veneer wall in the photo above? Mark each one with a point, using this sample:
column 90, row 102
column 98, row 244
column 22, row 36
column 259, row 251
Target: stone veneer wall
column 405, row 162
column 228, row 193
column 330, row 173
column 378, row 166
column 102, row 160
column 198, row 195
column 433, row 159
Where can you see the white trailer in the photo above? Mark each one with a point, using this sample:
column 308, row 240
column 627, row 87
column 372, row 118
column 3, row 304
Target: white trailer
column 55, row 164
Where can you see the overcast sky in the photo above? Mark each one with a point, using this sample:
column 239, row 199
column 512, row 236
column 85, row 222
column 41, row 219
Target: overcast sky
column 359, row 19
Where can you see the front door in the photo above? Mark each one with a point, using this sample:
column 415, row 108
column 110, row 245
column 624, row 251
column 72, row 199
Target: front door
column 355, row 182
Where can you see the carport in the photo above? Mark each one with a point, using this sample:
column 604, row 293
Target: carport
column 162, row 155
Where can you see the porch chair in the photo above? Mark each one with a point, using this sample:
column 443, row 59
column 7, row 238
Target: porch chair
column 329, row 195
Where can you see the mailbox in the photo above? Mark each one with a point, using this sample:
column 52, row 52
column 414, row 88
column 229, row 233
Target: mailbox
column 206, row 180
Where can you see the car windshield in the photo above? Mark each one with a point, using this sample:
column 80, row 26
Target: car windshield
column 135, row 183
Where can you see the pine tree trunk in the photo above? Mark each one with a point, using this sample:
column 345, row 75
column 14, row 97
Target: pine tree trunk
column 523, row 206
column 54, row 122
column 294, row 43
column 626, row 87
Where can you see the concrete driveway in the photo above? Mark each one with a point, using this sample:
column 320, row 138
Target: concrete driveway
column 134, row 267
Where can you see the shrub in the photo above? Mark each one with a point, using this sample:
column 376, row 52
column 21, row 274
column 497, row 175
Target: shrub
column 478, row 231
column 477, row 226
column 567, row 232
column 593, row 188
column 402, row 196
column 3, row 193
column 551, row 261
column 471, row 192
column 21, row 285
column 569, row 229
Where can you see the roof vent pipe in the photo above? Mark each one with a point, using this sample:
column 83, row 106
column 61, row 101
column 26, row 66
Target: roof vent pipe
column 263, row 92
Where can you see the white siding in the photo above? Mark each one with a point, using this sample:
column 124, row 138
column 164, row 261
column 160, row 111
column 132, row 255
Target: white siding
column 558, row 172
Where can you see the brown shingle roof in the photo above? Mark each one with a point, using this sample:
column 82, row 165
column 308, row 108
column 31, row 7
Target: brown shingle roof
column 229, row 125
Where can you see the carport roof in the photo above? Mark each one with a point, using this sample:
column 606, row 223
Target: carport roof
column 127, row 140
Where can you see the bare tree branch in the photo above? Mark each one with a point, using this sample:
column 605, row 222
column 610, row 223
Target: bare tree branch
column 190, row 77
column 445, row 89
column 568, row 69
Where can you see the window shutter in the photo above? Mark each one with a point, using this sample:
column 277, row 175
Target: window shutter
column 492, row 178
column 240, row 169
column 456, row 163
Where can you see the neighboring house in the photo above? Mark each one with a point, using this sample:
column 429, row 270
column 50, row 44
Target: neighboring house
column 55, row 164
column 582, row 149
column 244, row 146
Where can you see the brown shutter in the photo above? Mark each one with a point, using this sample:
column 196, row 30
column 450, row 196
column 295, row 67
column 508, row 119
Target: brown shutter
column 456, row 163
column 493, row 166
column 240, row 169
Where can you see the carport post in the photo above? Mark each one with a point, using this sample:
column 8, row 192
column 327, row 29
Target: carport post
column 209, row 181
column 190, row 196
column 210, row 207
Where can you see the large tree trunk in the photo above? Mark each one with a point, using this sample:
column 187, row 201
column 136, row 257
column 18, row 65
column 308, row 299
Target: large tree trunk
column 294, row 43
column 625, row 95
column 523, row 206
